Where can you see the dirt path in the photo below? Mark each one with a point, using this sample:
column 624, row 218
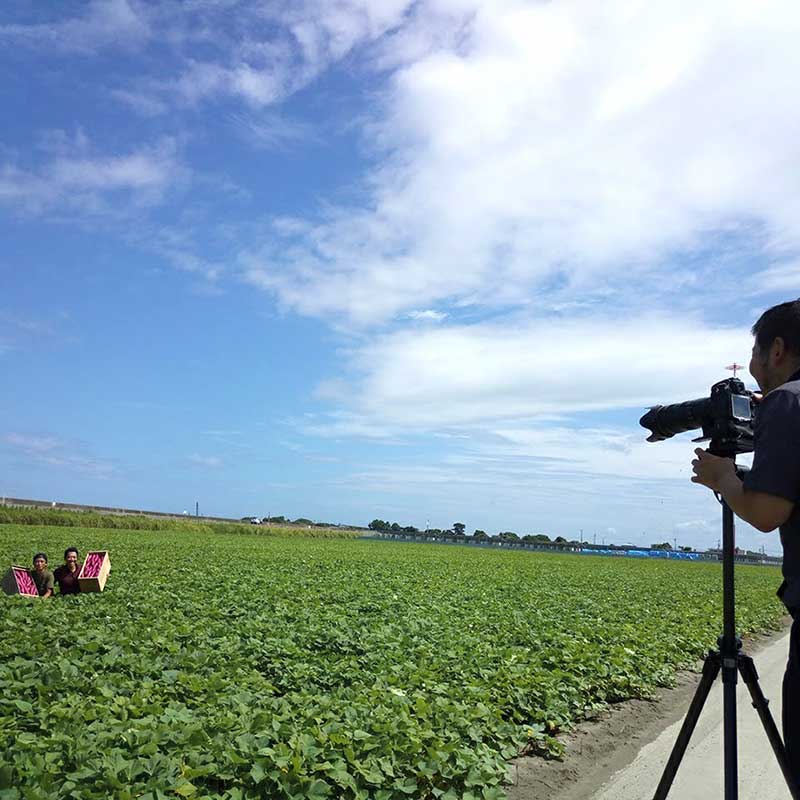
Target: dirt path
column 606, row 753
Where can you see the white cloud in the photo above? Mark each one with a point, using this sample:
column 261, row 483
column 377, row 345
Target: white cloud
column 257, row 53
column 146, row 104
column 178, row 246
column 429, row 378
column 554, row 145
column 53, row 451
column 344, row 424
column 427, row 315
column 86, row 181
column 19, row 331
column 778, row 278
column 585, row 452
column 105, row 23
column 272, row 131
column 135, row 172
column 209, row 462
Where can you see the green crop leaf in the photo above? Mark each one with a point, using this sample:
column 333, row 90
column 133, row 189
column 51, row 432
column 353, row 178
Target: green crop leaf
column 318, row 790
column 258, row 773
column 6, row 777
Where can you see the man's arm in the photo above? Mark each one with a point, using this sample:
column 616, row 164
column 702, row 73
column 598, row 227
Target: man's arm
column 763, row 511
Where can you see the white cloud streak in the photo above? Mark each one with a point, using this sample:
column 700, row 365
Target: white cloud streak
column 55, row 452
column 435, row 378
column 105, row 23
column 88, row 182
column 257, row 53
column 428, row 315
column 19, row 331
column 273, row 132
column 207, row 462
column 779, row 277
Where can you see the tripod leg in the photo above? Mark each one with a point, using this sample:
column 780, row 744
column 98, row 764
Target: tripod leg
column 710, row 671
column 729, row 679
column 747, row 668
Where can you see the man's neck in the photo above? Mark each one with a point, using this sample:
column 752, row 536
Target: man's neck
column 790, row 372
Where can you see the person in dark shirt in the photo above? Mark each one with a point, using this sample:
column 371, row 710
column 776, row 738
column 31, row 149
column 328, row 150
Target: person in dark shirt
column 66, row 576
column 769, row 496
column 42, row 576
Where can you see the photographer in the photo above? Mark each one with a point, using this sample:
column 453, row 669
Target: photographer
column 769, row 496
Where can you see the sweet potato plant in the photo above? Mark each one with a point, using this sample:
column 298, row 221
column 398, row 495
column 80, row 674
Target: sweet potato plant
column 238, row 667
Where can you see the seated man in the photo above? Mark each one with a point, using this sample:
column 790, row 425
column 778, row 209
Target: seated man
column 66, row 575
column 42, row 576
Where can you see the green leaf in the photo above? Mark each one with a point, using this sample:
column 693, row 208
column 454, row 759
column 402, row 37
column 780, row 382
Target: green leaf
column 318, row 790
column 6, row 777
column 257, row 773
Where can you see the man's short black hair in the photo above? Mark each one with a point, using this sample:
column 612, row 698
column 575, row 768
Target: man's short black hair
column 40, row 555
column 782, row 320
column 71, row 550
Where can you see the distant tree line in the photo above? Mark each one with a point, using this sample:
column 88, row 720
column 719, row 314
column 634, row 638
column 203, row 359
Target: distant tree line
column 668, row 546
column 281, row 520
column 458, row 531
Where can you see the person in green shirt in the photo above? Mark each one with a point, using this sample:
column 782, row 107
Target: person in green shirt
column 42, row 576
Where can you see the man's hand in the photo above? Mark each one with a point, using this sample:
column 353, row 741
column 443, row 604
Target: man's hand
column 763, row 511
column 712, row 471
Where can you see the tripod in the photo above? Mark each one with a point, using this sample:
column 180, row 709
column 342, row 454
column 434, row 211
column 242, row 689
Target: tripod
column 729, row 659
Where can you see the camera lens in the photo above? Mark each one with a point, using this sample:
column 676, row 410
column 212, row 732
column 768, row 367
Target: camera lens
column 665, row 421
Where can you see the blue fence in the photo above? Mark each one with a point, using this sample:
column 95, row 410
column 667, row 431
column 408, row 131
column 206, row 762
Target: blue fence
column 679, row 555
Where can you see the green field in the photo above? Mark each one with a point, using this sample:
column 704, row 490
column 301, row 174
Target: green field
column 240, row 666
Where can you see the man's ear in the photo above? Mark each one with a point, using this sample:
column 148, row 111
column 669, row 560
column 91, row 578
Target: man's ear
column 777, row 351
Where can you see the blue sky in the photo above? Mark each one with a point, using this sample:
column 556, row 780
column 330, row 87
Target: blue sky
column 424, row 261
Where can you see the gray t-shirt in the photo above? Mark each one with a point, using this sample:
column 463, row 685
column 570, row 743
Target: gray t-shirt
column 776, row 470
column 44, row 580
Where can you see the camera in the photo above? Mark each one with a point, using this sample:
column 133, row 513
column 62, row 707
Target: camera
column 725, row 418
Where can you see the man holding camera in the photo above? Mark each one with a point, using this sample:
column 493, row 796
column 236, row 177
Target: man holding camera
column 769, row 496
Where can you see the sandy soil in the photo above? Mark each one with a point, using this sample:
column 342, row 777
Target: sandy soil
column 598, row 748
